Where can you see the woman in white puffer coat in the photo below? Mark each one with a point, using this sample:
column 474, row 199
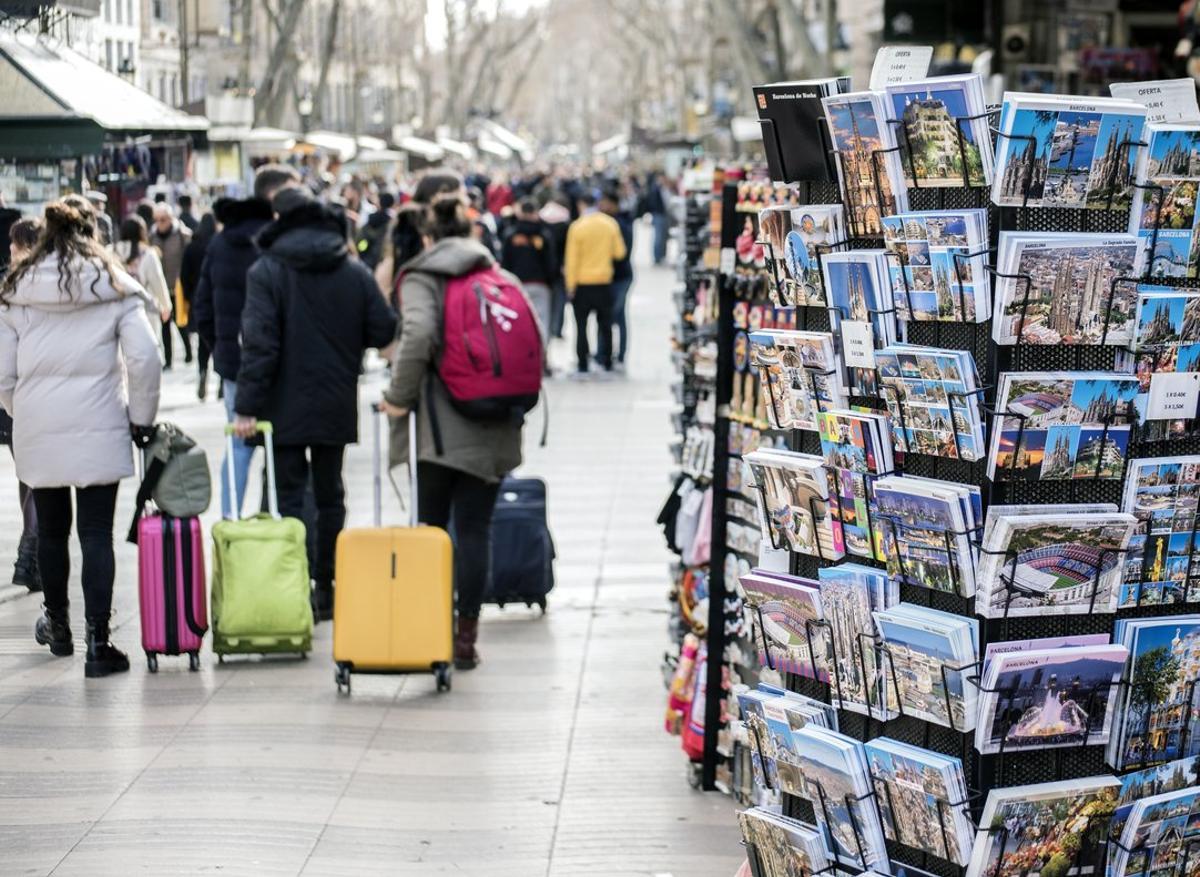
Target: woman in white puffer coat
column 79, row 371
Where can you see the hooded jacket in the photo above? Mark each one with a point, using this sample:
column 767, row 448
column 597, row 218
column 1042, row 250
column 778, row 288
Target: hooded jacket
column 221, row 290
column 311, row 312
column 75, row 371
column 487, row 450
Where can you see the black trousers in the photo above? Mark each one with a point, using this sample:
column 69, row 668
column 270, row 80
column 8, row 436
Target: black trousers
column 294, row 466
column 596, row 299
column 168, row 352
column 95, row 507
column 448, row 495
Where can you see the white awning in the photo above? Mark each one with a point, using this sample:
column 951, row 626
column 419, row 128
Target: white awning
column 498, row 133
column 427, row 149
column 463, row 150
column 330, row 141
column 494, row 147
column 380, row 156
column 612, row 144
column 254, row 139
column 374, row 143
column 47, row 80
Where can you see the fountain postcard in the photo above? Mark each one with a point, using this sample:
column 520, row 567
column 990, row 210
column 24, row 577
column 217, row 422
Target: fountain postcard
column 1049, row 698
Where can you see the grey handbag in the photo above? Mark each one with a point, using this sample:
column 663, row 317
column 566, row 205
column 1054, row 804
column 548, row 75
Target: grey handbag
column 176, row 477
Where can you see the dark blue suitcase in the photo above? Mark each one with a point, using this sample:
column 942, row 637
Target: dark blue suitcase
column 522, row 548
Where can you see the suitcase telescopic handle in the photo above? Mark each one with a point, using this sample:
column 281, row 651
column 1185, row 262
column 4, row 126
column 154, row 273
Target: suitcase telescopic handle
column 268, row 432
column 378, row 465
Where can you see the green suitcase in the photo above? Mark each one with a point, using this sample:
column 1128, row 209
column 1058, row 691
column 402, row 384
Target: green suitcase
column 260, row 585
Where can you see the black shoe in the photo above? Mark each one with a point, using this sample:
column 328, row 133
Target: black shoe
column 322, row 603
column 25, row 569
column 220, row 391
column 53, row 629
column 103, row 658
column 202, row 388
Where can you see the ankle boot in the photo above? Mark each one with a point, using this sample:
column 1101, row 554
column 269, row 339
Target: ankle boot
column 53, row 629
column 25, row 569
column 465, row 656
column 322, row 602
column 103, row 657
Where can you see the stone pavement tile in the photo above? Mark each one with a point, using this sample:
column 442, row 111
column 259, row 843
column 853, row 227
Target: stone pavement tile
column 192, row 844
column 34, row 848
column 458, row 816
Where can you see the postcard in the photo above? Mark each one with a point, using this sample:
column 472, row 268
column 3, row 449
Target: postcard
column 1049, row 698
column 1055, row 819
column 1162, row 566
column 793, row 492
column 943, row 144
column 784, row 846
column 870, row 177
column 1164, row 215
column 784, row 610
column 936, row 265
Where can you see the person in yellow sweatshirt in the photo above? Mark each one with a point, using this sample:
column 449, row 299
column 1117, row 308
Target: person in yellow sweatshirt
column 594, row 242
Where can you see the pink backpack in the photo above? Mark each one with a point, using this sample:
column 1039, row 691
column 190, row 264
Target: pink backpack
column 491, row 356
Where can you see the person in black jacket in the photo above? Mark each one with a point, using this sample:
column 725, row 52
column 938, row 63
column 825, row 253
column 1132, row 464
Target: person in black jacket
column 189, row 278
column 311, row 312
column 217, row 311
column 529, row 253
column 610, row 203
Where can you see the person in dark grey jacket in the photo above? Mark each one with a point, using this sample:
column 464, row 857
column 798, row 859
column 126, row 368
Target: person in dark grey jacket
column 311, row 312
column 462, row 481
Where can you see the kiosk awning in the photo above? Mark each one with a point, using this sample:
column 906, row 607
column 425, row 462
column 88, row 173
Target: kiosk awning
column 63, row 103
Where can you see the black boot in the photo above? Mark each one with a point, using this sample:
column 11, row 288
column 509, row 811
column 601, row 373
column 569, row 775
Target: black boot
column 103, row 657
column 322, row 602
column 25, row 569
column 53, row 629
column 202, row 387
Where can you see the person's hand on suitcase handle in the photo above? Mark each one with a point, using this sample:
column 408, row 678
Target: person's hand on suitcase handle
column 391, row 410
column 142, row 435
column 245, row 427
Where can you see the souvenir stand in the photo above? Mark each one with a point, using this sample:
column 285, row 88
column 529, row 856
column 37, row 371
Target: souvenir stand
column 983, row 773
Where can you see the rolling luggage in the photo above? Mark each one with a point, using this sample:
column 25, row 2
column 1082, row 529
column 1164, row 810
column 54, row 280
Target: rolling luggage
column 261, row 594
column 522, row 548
column 171, row 591
column 394, row 602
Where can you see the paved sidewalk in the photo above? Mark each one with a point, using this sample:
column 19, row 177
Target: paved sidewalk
column 548, row 760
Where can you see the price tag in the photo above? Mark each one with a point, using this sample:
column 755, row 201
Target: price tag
column 858, row 344
column 900, row 64
column 1173, row 396
column 728, row 260
column 1166, row 100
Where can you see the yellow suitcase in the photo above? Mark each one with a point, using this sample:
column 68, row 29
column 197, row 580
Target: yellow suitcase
column 393, row 606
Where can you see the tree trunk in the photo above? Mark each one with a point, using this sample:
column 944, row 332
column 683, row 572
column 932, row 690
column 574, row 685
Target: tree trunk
column 268, row 108
column 321, row 98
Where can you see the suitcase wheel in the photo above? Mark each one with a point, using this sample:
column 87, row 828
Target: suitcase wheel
column 541, row 604
column 442, row 673
column 152, row 662
column 194, row 661
column 341, row 675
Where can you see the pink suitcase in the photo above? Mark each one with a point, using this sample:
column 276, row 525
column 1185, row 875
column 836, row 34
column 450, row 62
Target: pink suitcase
column 171, row 588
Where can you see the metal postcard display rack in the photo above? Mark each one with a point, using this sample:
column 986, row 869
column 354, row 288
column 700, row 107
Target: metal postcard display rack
column 983, row 772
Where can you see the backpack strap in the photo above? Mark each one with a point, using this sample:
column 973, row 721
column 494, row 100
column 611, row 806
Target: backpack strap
column 154, row 471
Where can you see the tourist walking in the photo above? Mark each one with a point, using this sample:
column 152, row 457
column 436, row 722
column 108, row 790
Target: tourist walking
column 528, row 253
column 594, row 244
column 459, row 471
column 142, row 262
column 220, row 298
column 189, row 280
column 89, row 375
column 311, row 313
column 22, row 238
column 610, row 204
column 171, row 238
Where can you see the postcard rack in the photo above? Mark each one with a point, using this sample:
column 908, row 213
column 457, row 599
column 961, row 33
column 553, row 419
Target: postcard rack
column 1076, row 758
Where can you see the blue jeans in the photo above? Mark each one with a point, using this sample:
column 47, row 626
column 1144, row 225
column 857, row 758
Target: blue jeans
column 620, row 293
column 662, row 232
column 242, row 454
